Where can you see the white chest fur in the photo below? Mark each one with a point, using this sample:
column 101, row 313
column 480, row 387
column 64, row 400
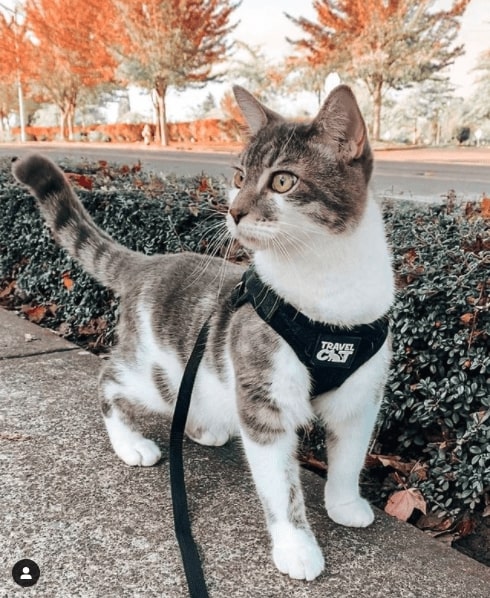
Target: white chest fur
column 344, row 279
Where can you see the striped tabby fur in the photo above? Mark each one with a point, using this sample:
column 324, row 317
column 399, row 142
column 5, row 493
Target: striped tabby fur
column 300, row 203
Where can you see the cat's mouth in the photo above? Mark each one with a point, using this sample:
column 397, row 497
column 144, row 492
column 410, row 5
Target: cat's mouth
column 255, row 238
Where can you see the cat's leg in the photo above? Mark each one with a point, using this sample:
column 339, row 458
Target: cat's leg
column 347, row 443
column 119, row 407
column 275, row 471
column 350, row 415
column 273, row 402
column 212, row 416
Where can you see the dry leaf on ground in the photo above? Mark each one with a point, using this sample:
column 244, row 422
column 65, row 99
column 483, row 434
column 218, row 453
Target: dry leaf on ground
column 402, row 504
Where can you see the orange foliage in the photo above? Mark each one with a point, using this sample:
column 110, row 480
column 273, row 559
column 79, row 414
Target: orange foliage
column 15, row 50
column 386, row 43
column 72, row 50
column 173, row 43
column 72, row 44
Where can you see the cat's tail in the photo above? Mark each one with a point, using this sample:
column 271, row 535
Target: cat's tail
column 70, row 223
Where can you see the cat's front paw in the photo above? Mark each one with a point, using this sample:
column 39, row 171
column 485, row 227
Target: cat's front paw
column 139, row 452
column 296, row 553
column 356, row 513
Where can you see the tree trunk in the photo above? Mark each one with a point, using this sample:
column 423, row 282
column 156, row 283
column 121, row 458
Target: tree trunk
column 22, row 115
column 161, row 90
column 70, row 121
column 377, row 101
column 62, row 123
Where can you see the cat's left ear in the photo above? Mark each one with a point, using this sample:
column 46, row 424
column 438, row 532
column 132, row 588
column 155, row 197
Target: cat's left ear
column 340, row 124
column 255, row 113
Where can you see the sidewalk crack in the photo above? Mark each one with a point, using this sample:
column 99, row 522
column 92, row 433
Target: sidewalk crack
column 36, row 353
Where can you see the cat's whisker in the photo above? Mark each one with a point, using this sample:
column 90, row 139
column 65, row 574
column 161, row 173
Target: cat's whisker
column 215, row 244
column 225, row 264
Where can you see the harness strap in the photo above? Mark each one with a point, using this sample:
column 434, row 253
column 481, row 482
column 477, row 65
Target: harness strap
column 188, row 549
column 330, row 353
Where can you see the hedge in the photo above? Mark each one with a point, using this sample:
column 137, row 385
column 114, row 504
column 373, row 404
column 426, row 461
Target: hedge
column 206, row 130
column 434, row 434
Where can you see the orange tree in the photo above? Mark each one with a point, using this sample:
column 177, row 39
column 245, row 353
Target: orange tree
column 72, row 52
column 385, row 43
column 15, row 66
column 166, row 43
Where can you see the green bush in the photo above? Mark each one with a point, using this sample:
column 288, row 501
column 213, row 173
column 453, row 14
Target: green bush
column 437, row 410
column 436, row 415
column 144, row 212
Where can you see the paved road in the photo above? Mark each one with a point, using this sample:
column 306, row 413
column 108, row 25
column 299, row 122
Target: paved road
column 413, row 174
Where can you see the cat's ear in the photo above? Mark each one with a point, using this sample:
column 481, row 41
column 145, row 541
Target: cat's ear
column 255, row 113
column 340, row 124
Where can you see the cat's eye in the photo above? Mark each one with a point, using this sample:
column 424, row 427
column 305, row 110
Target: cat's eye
column 238, row 179
column 282, row 182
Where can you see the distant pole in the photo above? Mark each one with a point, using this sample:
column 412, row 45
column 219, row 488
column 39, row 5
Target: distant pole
column 22, row 117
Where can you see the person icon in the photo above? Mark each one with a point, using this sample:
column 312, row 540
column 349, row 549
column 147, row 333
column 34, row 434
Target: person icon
column 26, row 573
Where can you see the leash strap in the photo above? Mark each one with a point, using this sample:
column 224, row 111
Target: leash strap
column 188, row 549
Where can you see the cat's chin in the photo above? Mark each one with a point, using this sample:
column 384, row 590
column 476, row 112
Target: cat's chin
column 254, row 242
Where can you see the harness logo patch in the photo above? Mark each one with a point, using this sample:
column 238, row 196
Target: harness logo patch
column 336, row 351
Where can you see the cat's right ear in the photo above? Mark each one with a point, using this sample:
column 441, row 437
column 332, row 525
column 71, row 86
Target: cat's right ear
column 255, row 113
column 340, row 124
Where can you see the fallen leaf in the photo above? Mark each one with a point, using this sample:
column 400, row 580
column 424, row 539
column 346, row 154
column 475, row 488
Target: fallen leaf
column 203, row 185
column 393, row 461
column 81, row 179
column 34, row 313
column 466, row 526
column 435, row 523
column 466, row 319
column 94, row 326
column 485, row 207
column 67, row 281
column 402, row 504
column 420, row 471
column 5, row 292
column 410, row 256
column 309, row 460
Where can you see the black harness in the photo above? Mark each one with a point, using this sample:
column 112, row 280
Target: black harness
column 330, row 353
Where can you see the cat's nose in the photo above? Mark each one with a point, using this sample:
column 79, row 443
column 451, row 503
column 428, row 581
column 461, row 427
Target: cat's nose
column 237, row 214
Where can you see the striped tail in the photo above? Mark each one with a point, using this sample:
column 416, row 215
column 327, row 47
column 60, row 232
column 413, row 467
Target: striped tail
column 70, row 223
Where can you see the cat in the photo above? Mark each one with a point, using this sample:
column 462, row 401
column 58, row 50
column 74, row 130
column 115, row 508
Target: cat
column 300, row 203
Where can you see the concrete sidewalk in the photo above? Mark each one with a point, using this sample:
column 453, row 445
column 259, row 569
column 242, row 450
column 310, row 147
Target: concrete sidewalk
column 98, row 528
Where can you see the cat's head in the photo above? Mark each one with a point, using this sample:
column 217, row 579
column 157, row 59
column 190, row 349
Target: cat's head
column 294, row 180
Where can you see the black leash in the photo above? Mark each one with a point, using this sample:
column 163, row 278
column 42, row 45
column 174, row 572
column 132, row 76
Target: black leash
column 188, row 549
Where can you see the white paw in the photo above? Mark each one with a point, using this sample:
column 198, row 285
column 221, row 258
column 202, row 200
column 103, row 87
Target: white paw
column 140, row 451
column 356, row 513
column 296, row 553
column 208, row 438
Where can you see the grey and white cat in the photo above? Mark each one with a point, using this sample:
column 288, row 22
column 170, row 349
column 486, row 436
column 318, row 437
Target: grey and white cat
column 300, row 203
